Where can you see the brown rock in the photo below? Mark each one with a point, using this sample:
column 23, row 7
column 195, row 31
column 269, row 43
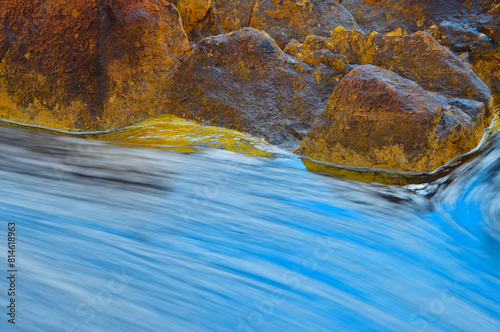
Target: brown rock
column 89, row 64
column 461, row 25
column 285, row 20
column 234, row 14
column 387, row 15
column 460, row 38
column 376, row 118
column 244, row 81
column 417, row 57
column 487, row 66
column 193, row 12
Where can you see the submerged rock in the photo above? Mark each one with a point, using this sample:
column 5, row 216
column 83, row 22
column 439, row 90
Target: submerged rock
column 244, row 81
column 86, row 65
column 285, row 20
column 376, row 118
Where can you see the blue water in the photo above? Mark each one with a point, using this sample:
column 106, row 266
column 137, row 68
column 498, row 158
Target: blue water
column 115, row 238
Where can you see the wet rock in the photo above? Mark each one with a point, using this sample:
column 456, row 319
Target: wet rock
column 89, row 64
column 244, row 81
column 417, row 57
column 376, row 118
column 285, row 20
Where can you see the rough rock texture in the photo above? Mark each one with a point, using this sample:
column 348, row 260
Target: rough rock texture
column 193, row 12
column 460, row 38
column 88, row 64
column 316, row 50
column 486, row 63
column 461, row 25
column 244, row 81
column 285, row 20
column 234, row 14
column 376, row 118
column 487, row 66
column 417, row 57
column 387, row 15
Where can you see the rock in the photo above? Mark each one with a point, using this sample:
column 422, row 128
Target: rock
column 285, row 20
column 487, row 66
column 234, row 14
column 244, row 81
column 461, row 25
column 87, row 65
column 417, row 57
column 387, row 15
column 460, row 38
column 486, row 63
column 192, row 12
column 293, row 48
column 317, row 50
column 376, row 118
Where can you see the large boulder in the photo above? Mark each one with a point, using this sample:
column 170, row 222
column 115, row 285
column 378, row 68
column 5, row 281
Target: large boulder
column 89, row 64
column 376, row 118
column 285, row 20
column 244, row 81
column 417, row 57
column 461, row 25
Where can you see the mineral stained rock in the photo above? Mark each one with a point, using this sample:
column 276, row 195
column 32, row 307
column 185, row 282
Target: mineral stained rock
column 234, row 14
column 387, row 15
column 244, row 81
column 417, row 57
column 461, row 25
column 192, row 12
column 285, row 20
column 86, row 65
column 376, row 118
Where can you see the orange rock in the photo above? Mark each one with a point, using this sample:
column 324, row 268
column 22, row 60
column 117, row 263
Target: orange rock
column 244, row 81
column 87, row 64
column 417, row 57
column 234, row 14
column 285, row 20
column 376, row 118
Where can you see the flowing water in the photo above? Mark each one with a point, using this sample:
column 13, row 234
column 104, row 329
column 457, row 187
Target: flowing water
column 119, row 237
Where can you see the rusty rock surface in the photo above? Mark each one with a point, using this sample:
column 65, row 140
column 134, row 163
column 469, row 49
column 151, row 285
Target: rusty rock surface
column 387, row 15
column 285, row 20
column 234, row 14
column 86, row 65
column 244, row 81
column 461, row 25
column 417, row 57
column 376, row 118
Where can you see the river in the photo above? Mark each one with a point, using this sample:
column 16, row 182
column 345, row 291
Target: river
column 114, row 237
